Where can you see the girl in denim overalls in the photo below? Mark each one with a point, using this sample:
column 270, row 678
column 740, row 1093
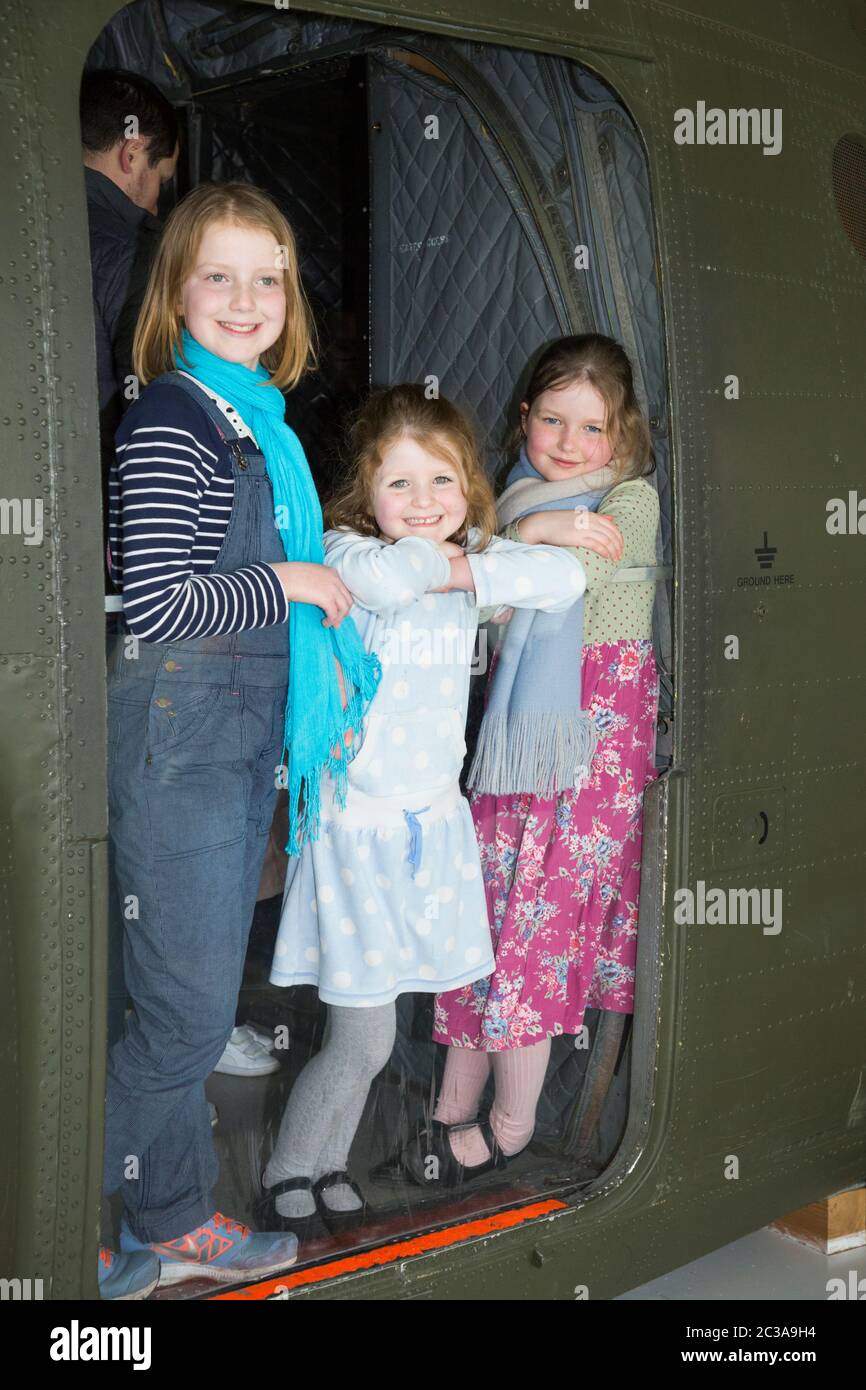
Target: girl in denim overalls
column 217, row 544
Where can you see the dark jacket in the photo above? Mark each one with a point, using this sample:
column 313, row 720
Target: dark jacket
column 123, row 241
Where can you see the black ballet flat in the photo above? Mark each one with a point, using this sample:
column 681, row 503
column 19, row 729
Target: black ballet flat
column 408, row 1164
column 458, row 1174
column 412, row 1162
column 269, row 1219
column 339, row 1221
column 497, row 1158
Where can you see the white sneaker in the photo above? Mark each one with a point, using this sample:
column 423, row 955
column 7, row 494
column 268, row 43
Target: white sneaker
column 245, row 1056
column 263, row 1036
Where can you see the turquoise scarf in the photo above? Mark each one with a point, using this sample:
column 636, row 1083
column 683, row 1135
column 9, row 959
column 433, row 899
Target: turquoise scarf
column 315, row 722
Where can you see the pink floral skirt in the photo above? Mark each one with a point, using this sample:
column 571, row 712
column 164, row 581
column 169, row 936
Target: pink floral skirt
column 562, row 876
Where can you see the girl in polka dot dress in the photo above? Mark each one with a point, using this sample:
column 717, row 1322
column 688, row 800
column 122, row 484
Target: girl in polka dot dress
column 561, row 856
column 390, row 898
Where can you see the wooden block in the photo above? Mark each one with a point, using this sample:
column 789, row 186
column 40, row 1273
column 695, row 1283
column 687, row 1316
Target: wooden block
column 837, row 1223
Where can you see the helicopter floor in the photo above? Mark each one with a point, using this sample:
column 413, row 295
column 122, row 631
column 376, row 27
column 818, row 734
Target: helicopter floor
column 250, row 1108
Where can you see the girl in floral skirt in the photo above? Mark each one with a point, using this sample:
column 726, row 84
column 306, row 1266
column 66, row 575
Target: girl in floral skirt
column 565, row 752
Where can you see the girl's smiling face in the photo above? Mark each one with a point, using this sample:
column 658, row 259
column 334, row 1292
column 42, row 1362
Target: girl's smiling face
column 415, row 493
column 566, row 431
column 234, row 300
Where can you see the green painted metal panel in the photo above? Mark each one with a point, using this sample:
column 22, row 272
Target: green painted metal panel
column 744, row 1043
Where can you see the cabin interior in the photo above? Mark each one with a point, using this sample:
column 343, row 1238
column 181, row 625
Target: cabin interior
column 454, row 257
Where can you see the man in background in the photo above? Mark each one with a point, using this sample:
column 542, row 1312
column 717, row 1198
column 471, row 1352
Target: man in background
column 129, row 139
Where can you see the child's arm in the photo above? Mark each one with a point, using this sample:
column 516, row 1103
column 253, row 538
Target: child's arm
column 382, row 575
column 571, row 527
column 520, row 576
column 165, row 462
column 634, row 507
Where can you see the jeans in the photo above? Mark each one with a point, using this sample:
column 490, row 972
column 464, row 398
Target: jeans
column 191, row 798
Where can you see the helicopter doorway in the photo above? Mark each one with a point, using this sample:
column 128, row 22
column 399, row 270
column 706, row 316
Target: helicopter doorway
column 410, row 169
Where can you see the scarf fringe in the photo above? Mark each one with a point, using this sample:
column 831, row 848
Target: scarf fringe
column 531, row 752
column 362, row 676
column 522, row 749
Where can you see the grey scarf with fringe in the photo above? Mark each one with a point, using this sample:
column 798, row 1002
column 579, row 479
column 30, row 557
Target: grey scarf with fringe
column 534, row 736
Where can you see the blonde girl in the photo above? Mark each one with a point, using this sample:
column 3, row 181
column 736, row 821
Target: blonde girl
column 233, row 629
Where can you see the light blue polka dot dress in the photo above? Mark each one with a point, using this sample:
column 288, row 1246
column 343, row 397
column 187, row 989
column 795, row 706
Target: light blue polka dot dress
column 390, row 898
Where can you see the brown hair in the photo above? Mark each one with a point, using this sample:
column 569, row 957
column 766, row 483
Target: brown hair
column 107, row 99
column 159, row 326
column 389, row 414
column 603, row 363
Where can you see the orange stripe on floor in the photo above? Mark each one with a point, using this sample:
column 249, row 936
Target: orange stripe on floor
column 399, row 1250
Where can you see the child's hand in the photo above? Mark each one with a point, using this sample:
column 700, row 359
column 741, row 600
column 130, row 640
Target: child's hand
column 450, row 549
column 503, row 615
column 574, row 528
column 317, row 584
column 601, row 534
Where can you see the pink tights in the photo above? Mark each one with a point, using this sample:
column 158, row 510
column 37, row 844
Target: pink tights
column 519, row 1076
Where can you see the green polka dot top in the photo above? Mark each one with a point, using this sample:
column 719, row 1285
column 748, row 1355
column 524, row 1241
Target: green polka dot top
column 616, row 612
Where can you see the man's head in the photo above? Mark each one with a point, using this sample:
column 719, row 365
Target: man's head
column 129, row 132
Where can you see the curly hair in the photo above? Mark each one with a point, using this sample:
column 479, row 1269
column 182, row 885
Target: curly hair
column 392, row 413
column 603, row 363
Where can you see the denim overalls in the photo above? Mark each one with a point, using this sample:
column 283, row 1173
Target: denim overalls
column 195, row 732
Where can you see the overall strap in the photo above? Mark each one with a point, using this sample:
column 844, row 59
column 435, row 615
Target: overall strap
column 224, row 428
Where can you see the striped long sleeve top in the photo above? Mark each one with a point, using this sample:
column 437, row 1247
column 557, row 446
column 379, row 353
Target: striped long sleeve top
column 170, row 500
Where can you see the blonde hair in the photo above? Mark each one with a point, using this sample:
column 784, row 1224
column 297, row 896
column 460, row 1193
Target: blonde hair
column 159, row 326
column 394, row 412
column 603, row 363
